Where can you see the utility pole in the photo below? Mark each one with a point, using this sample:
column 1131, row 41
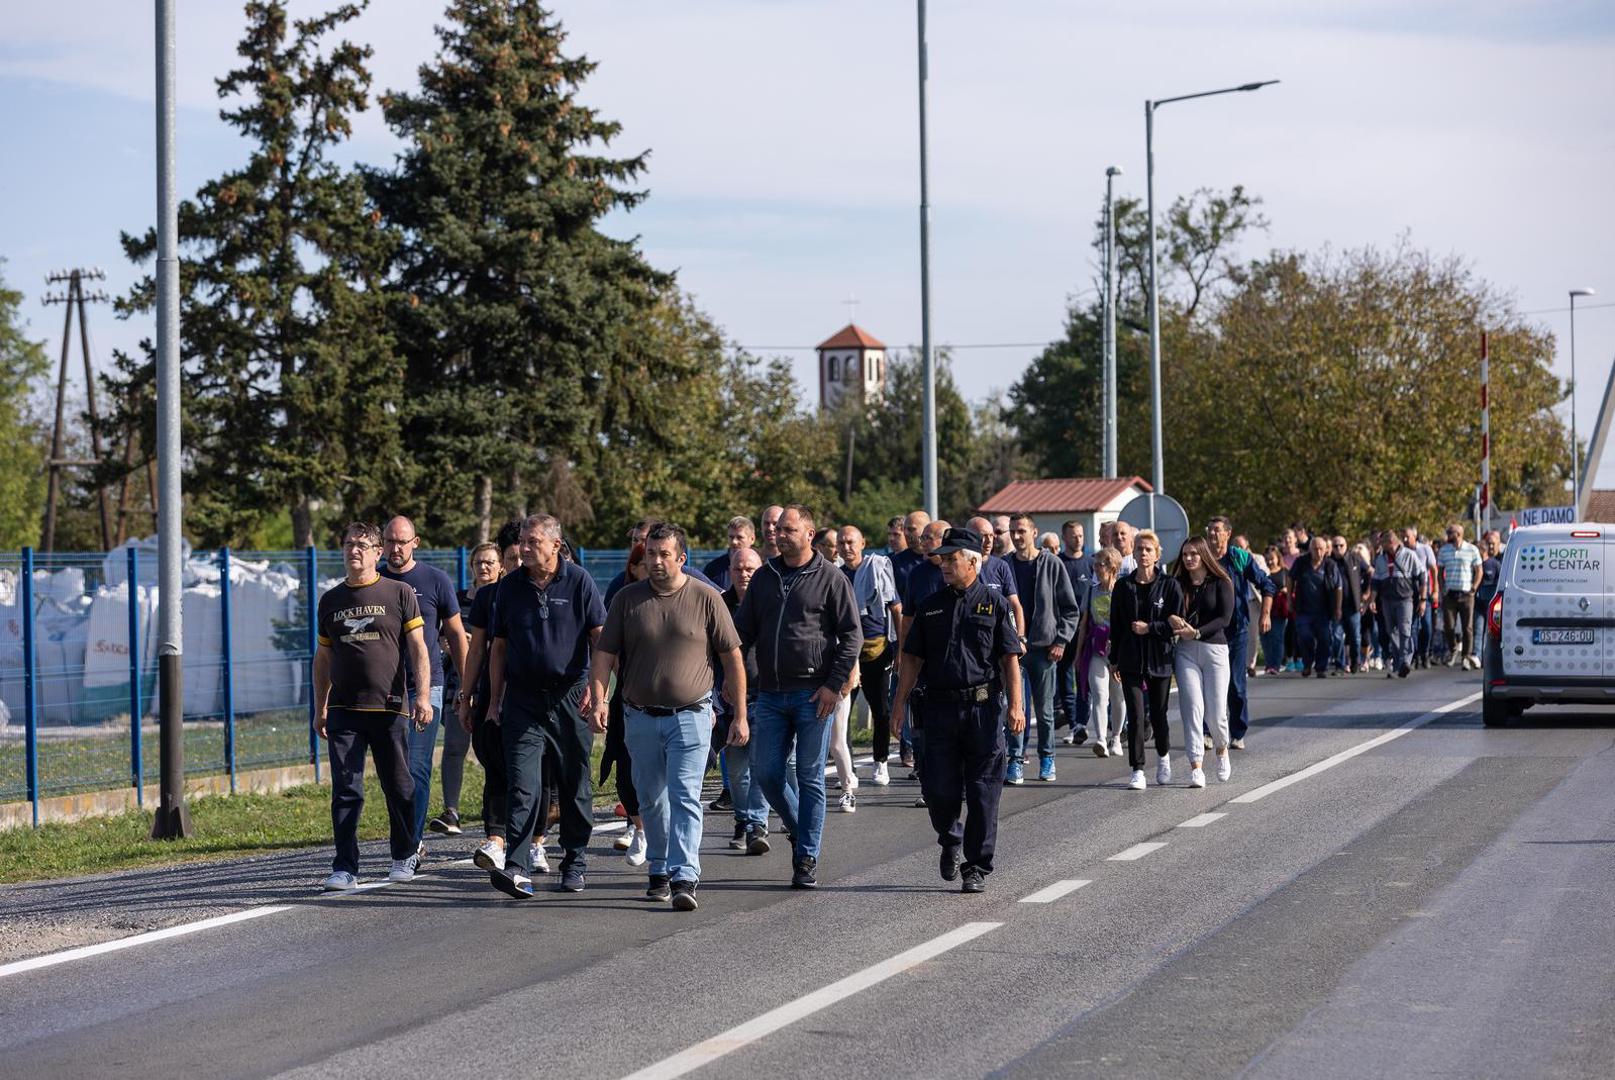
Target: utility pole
column 927, row 360
column 1110, row 322
column 172, row 821
column 74, row 299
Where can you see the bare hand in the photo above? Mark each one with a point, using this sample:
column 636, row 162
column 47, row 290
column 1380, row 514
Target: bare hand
column 739, row 731
column 899, row 707
column 825, row 701
column 465, row 715
column 1141, row 627
column 1267, row 623
column 1017, row 719
column 1056, row 653
column 1184, row 632
column 320, row 722
column 599, row 715
column 422, row 714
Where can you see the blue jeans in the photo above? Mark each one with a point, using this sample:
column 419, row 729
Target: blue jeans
column 422, row 745
column 751, row 805
column 670, row 758
column 1239, row 706
column 1400, row 632
column 784, row 717
column 1273, row 644
column 1037, row 700
column 1314, row 634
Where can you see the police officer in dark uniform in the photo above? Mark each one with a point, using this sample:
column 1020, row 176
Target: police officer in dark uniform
column 963, row 643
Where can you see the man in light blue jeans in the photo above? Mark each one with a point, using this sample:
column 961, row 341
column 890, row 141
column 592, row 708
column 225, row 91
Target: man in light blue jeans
column 669, row 748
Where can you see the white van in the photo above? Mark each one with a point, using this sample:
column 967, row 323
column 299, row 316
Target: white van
column 1550, row 631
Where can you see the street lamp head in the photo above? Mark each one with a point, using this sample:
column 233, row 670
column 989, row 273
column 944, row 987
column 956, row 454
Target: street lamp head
column 1113, row 171
column 1258, row 85
column 1582, row 292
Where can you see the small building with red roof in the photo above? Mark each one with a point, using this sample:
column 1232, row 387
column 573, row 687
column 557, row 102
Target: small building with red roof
column 1092, row 501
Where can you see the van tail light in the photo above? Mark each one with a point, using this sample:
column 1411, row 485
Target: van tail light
column 1494, row 616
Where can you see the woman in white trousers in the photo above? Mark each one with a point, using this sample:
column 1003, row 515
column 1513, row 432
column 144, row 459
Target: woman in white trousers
column 1093, row 659
column 1201, row 660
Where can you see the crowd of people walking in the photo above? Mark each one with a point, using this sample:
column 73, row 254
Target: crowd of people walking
column 963, row 642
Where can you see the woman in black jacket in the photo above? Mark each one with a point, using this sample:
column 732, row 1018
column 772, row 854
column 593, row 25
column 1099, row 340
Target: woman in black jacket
column 1202, row 660
column 1141, row 653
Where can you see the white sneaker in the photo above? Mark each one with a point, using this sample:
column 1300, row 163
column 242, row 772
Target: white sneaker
column 1069, row 738
column 1116, row 746
column 882, row 777
column 636, row 849
column 848, row 803
column 1237, row 744
column 1137, row 781
column 1472, row 663
column 1163, row 771
column 490, row 856
column 1100, row 749
column 541, row 862
column 624, row 839
column 1197, row 777
column 340, row 881
column 1225, row 767
column 403, row 869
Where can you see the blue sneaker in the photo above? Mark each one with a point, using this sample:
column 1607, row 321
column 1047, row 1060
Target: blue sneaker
column 1045, row 769
column 1015, row 775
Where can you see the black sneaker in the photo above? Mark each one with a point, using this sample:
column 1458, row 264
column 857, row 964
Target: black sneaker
column 919, row 802
column 738, row 841
column 447, row 823
column 950, row 864
column 975, row 880
column 722, row 802
column 804, row 878
column 684, row 896
column 1079, row 735
column 659, row 888
column 757, row 840
column 572, row 879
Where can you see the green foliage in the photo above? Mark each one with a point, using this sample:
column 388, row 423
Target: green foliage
column 291, row 385
column 22, row 441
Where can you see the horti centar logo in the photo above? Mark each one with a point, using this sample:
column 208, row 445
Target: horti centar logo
column 1557, row 557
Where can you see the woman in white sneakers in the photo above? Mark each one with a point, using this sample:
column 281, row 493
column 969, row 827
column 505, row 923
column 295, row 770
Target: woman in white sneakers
column 1141, row 652
column 1093, row 658
column 1201, row 658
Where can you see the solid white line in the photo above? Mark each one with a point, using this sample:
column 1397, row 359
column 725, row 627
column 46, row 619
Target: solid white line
column 613, row 826
column 1257, row 794
column 1051, row 893
column 1200, row 821
column 1137, row 851
column 19, row 966
column 769, row 1022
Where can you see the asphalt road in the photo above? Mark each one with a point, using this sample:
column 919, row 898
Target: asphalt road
column 1436, row 904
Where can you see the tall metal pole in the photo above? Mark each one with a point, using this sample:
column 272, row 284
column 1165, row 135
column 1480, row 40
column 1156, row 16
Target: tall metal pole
column 1111, row 292
column 1575, row 451
column 172, row 819
column 1157, row 472
column 927, row 360
column 1483, row 504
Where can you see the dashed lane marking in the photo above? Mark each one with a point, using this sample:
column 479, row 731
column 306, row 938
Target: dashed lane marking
column 1137, row 851
column 1049, row 894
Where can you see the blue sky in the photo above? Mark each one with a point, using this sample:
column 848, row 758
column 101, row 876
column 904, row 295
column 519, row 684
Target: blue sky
column 784, row 151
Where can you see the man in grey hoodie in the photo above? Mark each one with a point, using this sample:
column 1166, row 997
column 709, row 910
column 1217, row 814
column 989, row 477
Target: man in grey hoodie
column 1050, row 607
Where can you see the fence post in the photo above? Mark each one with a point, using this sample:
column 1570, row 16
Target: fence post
column 460, row 580
column 229, row 675
column 30, row 678
column 312, row 566
column 137, row 766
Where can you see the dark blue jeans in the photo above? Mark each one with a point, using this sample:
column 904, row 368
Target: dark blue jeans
column 1314, row 633
column 422, row 746
column 783, row 719
column 1239, row 708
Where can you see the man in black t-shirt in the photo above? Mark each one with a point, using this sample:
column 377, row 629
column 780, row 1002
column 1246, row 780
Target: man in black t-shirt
column 367, row 625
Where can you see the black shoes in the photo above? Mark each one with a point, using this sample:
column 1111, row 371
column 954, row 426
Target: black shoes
column 448, row 823
column 950, row 864
column 723, row 802
column 757, row 840
column 659, row 888
column 738, row 841
column 572, row 879
column 804, row 877
column 975, row 881
column 684, row 896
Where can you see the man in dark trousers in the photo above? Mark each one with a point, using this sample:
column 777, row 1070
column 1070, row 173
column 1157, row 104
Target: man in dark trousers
column 964, row 644
column 367, row 626
column 1316, row 594
column 547, row 617
column 1051, row 613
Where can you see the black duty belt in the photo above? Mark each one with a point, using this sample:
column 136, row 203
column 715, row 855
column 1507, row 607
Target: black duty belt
column 979, row 692
column 657, row 710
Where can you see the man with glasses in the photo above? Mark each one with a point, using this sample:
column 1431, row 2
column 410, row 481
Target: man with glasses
column 367, row 626
column 440, row 608
column 1347, row 651
column 1003, row 544
column 547, row 618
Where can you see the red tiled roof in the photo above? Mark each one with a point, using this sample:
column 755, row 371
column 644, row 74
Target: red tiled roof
column 1059, row 496
column 1601, row 506
column 851, row 337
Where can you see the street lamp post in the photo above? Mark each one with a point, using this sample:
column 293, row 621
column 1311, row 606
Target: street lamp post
column 1109, row 345
column 1575, row 451
column 927, row 359
column 1157, row 480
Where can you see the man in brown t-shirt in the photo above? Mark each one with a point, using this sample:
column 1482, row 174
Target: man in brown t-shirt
column 667, row 630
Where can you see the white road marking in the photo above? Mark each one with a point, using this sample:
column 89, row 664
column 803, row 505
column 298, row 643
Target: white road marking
column 1257, row 794
column 1051, row 893
column 612, row 826
column 1137, row 851
column 775, row 1019
column 1200, row 821
column 52, row 959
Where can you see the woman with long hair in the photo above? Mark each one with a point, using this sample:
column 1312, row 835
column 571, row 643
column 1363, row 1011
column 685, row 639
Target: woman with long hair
column 1093, row 658
column 1141, row 652
column 1273, row 640
column 1201, row 658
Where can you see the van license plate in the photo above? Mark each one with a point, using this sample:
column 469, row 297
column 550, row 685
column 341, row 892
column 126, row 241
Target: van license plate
column 1576, row 636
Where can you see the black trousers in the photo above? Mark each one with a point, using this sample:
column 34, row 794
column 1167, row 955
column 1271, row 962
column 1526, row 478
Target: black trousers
column 1146, row 694
column 964, row 758
column 386, row 735
column 539, row 725
column 488, row 742
column 873, row 678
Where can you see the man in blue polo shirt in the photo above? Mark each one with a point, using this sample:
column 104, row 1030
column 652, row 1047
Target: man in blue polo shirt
column 440, row 608
column 546, row 620
column 1079, row 568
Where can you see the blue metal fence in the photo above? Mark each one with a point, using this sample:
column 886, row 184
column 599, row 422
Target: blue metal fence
column 78, row 663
